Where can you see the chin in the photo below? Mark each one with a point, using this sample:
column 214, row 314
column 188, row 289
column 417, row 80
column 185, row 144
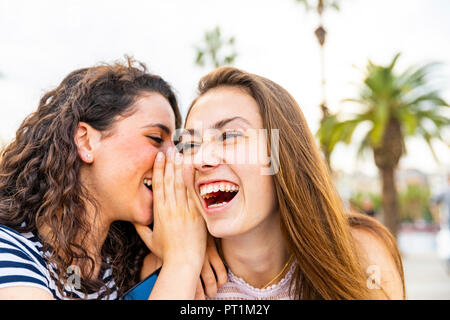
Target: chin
column 222, row 230
column 144, row 219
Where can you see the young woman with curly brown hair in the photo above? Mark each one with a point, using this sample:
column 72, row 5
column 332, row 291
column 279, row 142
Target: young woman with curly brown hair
column 79, row 174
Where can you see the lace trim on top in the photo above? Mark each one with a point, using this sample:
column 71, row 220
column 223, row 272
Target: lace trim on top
column 238, row 288
column 286, row 278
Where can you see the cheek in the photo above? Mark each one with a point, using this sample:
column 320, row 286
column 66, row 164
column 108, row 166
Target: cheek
column 141, row 159
column 251, row 151
column 260, row 202
column 240, row 153
column 130, row 158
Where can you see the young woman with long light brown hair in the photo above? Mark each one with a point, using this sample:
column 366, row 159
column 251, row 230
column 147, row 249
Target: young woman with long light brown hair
column 282, row 235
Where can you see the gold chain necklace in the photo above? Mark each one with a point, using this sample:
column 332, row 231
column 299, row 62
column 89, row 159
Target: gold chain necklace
column 279, row 274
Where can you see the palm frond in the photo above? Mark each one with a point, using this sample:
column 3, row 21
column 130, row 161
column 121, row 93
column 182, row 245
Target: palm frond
column 380, row 120
column 364, row 145
column 386, row 94
column 428, row 137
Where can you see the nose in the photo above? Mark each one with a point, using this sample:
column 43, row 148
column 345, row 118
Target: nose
column 207, row 158
column 167, row 145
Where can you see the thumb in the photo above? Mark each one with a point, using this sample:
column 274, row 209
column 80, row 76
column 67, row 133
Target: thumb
column 146, row 235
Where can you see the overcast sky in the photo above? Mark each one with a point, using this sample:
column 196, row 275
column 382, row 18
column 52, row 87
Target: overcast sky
column 42, row 41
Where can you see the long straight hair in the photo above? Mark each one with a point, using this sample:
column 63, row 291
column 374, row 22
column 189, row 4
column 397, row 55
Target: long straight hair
column 314, row 224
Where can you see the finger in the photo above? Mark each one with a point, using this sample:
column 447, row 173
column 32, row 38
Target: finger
column 146, row 235
column 209, row 279
column 190, row 192
column 216, row 262
column 219, row 269
column 199, row 293
column 194, row 210
column 158, row 179
column 180, row 188
column 169, row 176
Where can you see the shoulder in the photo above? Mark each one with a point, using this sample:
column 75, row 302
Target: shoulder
column 21, row 264
column 150, row 264
column 24, row 293
column 381, row 261
column 371, row 245
column 25, row 246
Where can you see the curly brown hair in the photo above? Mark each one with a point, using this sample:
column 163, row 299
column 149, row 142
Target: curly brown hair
column 40, row 170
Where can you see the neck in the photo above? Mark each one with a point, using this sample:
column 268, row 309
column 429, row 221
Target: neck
column 256, row 257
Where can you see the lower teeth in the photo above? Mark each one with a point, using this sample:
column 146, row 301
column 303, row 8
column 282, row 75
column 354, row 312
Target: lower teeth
column 217, row 205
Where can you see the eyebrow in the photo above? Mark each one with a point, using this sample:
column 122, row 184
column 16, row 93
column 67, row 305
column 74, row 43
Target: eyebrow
column 158, row 125
column 218, row 125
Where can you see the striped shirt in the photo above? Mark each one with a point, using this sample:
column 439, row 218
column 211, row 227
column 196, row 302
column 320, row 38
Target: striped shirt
column 23, row 263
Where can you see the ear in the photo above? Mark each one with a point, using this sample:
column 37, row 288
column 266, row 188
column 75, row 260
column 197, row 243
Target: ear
column 86, row 139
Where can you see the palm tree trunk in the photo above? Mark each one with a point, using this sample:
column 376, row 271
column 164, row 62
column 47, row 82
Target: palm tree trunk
column 390, row 202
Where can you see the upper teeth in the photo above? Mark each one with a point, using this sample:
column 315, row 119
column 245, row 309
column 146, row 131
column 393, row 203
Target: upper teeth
column 215, row 187
column 148, row 182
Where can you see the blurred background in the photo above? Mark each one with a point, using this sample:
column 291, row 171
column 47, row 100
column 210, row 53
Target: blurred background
column 371, row 76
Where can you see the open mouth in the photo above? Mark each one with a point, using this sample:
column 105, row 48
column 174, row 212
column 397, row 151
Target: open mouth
column 218, row 194
column 148, row 184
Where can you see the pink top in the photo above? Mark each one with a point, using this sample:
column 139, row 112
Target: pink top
column 237, row 289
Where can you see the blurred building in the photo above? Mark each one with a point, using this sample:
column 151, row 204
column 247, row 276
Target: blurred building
column 408, row 177
column 348, row 184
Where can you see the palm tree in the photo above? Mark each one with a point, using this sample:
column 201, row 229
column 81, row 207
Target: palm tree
column 213, row 48
column 397, row 105
column 320, row 6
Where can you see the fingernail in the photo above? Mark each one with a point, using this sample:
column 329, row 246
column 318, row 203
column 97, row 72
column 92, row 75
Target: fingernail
column 178, row 157
column 159, row 156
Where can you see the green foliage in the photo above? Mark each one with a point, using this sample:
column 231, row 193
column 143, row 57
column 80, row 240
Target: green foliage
column 358, row 198
column 216, row 50
column 414, row 203
column 385, row 94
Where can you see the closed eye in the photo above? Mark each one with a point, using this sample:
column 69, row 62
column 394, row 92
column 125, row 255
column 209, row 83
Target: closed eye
column 156, row 139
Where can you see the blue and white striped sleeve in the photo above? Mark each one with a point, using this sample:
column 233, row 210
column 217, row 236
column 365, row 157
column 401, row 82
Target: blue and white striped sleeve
column 19, row 264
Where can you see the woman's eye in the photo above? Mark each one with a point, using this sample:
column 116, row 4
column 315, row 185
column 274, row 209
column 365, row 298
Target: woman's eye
column 187, row 146
column 156, row 139
column 230, row 134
